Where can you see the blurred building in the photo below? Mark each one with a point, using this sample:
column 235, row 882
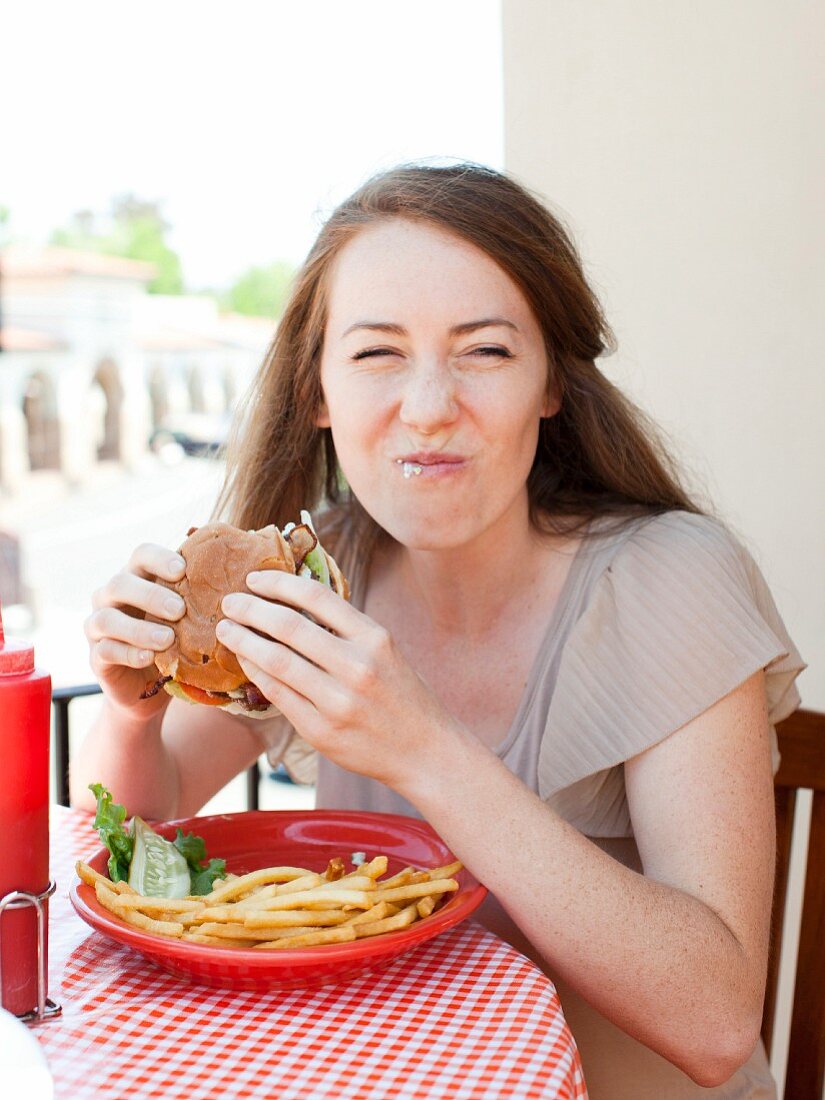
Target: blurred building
column 92, row 365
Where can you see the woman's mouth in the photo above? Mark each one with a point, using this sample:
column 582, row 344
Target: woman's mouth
column 430, row 465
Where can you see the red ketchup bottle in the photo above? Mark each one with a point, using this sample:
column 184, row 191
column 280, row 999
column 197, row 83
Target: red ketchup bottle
column 25, row 700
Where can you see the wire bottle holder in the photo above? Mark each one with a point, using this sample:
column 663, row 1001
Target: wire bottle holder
column 19, row 899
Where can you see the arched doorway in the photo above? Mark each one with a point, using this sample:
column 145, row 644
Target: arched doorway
column 197, row 399
column 158, row 397
column 42, row 425
column 230, row 390
column 107, row 381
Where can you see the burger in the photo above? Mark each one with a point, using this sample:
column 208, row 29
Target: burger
column 197, row 667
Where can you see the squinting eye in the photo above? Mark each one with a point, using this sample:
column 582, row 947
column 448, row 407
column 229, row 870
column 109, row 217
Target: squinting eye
column 369, row 352
column 502, row 353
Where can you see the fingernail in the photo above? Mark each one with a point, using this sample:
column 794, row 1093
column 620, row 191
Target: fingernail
column 173, row 604
column 223, row 628
column 163, row 635
column 176, row 564
column 253, row 579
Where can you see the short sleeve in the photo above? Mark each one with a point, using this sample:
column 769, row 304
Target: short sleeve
column 679, row 617
column 284, row 746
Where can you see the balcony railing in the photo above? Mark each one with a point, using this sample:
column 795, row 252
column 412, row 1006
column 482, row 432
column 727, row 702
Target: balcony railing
column 62, row 699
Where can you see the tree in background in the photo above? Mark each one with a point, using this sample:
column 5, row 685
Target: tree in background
column 260, row 291
column 136, row 230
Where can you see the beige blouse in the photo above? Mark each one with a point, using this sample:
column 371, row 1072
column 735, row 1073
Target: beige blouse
column 654, row 624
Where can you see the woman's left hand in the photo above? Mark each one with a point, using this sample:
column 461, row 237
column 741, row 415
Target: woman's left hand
column 349, row 693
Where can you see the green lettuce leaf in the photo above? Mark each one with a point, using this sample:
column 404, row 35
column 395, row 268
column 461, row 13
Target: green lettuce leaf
column 108, row 821
column 121, row 844
column 202, row 874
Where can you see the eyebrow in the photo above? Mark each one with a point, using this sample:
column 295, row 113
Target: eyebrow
column 456, row 330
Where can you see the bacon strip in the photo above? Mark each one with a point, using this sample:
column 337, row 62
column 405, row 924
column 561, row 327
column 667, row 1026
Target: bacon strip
column 153, row 689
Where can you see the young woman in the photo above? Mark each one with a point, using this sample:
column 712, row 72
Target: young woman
column 550, row 653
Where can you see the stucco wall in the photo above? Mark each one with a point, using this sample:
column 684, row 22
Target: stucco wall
column 683, row 145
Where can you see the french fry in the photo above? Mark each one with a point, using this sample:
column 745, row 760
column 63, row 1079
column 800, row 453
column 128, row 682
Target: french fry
column 446, row 872
column 323, row 897
column 377, row 912
column 374, row 869
column 408, row 875
column 243, row 883
column 403, row 919
column 186, row 919
column 287, row 933
column 416, row 890
column 107, row 898
column 306, row 882
column 166, row 905
column 92, row 877
column 311, row 939
column 214, row 941
column 425, row 906
column 241, row 932
column 257, row 898
column 216, row 913
column 285, row 918
column 335, row 869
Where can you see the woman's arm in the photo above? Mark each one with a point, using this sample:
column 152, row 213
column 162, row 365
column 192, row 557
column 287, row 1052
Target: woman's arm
column 676, row 957
column 166, row 766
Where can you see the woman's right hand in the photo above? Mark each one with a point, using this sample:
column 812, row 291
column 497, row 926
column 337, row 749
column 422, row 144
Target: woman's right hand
column 122, row 645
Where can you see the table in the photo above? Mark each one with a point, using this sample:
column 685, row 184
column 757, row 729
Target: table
column 464, row 1016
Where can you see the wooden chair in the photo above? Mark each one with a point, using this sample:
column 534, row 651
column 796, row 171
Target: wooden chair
column 802, row 745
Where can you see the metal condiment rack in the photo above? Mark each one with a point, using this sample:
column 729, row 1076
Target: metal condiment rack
column 18, row 899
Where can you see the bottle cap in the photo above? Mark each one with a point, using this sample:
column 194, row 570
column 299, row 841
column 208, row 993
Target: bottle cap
column 16, row 658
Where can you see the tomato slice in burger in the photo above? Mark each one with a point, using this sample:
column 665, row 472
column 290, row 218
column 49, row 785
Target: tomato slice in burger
column 198, row 695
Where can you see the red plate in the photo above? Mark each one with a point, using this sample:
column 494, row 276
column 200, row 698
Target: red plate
column 306, row 838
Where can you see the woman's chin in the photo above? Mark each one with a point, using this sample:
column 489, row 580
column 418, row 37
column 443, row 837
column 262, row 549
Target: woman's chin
column 436, row 533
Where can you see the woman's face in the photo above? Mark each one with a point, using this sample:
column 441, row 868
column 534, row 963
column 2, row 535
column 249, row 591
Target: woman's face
column 434, row 376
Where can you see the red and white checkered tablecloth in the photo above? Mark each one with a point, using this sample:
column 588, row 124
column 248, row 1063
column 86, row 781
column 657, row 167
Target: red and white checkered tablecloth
column 464, row 1016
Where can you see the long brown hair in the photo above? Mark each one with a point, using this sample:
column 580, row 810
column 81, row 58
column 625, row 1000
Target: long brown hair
column 598, row 456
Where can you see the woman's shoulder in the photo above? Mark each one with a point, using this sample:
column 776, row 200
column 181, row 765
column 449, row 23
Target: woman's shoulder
column 681, row 542
column 678, row 527
column 677, row 616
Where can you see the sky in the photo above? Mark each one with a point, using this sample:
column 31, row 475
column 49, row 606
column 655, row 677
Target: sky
column 248, row 122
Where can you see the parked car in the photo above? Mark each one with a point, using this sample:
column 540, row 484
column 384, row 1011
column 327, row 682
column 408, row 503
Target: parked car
column 11, row 577
column 16, row 597
column 197, row 434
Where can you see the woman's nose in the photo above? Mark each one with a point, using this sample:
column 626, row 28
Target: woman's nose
column 429, row 399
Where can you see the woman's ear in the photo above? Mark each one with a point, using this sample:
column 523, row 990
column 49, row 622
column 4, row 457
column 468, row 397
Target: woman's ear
column 322, row 418
column 552, row 403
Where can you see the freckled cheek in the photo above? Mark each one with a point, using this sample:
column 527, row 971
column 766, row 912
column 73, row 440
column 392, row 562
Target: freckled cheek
column 511, row 424
column 359, row 428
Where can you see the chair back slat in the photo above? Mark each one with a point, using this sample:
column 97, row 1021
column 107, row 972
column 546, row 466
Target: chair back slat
column 806, row 1050
column 802, row 749
column 785, row 807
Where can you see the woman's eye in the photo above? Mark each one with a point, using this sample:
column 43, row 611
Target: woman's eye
column 491, row 352
column 369, row 353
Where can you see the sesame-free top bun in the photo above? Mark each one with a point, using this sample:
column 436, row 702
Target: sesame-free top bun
column 218, row 558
